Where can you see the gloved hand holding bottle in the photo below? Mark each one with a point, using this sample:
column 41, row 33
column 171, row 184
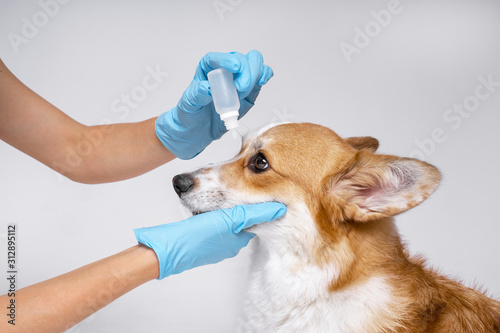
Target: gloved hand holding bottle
column 205, row 238
column 193, row 124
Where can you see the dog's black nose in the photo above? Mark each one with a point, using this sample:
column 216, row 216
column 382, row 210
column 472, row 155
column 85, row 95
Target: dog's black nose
column 183, row 183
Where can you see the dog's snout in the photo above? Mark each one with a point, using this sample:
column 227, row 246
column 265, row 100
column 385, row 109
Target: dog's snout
column 183, row 183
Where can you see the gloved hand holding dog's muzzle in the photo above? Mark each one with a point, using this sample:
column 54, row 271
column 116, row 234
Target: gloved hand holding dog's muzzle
column 193, row 124
column 205, row 238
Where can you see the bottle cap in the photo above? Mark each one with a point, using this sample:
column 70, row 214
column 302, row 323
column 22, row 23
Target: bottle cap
column 231, row 123
column 230, row 119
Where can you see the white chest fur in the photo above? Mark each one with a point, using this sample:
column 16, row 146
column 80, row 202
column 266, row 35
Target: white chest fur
column 289, row 293
column 302, row 303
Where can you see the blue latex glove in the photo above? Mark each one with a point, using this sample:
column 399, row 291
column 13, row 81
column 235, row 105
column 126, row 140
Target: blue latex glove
column 205, row 238
column 193, row 124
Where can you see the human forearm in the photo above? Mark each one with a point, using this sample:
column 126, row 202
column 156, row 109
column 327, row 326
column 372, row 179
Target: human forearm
column 59, row 303
column 89, row 154
column 109, row 153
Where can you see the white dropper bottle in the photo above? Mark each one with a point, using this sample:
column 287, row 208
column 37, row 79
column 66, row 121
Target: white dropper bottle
column 225, row 96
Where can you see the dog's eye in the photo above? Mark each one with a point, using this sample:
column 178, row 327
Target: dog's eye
column 259, row 163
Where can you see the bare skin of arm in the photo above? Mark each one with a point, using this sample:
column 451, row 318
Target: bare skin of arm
column 57, row 304
column 86, row 154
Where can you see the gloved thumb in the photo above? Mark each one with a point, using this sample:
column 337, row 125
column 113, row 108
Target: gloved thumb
column 245, row 216
column 196, row 96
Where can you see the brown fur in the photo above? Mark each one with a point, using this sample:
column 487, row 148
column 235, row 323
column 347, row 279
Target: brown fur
column 353, row 193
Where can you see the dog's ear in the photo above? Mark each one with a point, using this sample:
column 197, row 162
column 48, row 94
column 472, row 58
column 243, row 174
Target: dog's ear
column 363, row 142
column 374, row 186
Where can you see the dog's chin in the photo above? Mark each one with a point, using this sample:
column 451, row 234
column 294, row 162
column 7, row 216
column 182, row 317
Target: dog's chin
column 205, row 207
column 197, row 211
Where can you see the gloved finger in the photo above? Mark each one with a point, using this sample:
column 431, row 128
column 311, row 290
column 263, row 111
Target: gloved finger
column 245, row 106
column 253, row 94
column 196, row 96
column 267, row 73
column 245, row 237
column 248, row 102
column 245, row 216
column 249, row 73
column 213, row 60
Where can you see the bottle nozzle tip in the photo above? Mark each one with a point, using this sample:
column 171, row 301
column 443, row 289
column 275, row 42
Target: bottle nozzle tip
column 230, row 120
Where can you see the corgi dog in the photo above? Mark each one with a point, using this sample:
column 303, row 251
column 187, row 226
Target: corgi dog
column 335, row 261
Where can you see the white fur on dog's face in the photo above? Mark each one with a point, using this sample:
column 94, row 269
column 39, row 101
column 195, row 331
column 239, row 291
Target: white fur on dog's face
column 210, row 193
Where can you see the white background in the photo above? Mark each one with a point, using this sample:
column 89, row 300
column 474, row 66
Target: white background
column 397, row 89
